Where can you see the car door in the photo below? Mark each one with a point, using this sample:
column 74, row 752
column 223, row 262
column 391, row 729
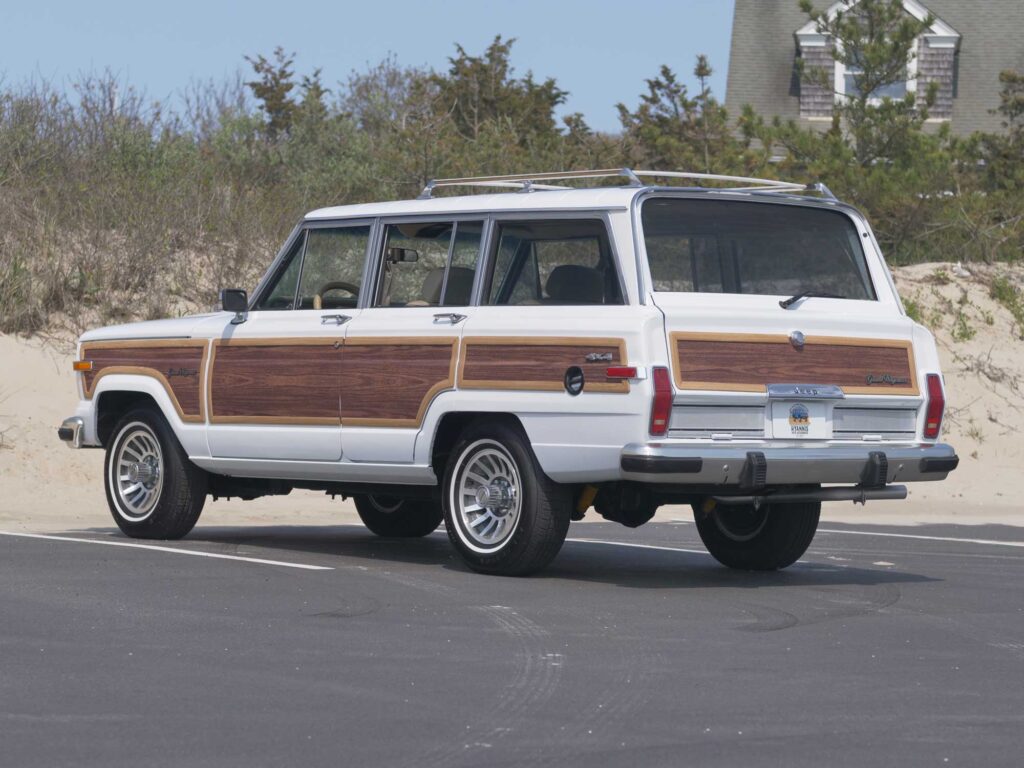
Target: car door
column 553, row 319
column 274, row 379
column 402, row 350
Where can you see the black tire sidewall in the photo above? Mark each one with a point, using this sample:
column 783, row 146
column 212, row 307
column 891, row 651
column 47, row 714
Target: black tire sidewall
column 412, row 518
column 787, row 533
column 540, row 527
column 182, row 495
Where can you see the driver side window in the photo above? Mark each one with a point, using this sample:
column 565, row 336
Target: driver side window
column 324, row 271
column 332, row 268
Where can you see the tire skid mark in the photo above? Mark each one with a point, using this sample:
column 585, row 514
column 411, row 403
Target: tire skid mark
column 538, row 672
column 611, row 710
column 831, row 604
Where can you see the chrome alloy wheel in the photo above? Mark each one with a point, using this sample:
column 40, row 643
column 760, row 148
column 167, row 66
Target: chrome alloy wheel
column 486, row 496
column 136, row 473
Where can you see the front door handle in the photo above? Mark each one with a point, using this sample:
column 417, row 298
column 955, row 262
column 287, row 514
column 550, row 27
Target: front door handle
column 449, row 318
column 336, row 319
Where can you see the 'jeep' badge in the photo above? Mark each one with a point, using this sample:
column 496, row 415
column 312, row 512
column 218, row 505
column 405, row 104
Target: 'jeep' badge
column 799, row 419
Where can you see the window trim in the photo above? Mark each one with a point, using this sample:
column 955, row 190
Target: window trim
column 486, row 274
column 876, row 269
column 375, row 259
column 281, row 262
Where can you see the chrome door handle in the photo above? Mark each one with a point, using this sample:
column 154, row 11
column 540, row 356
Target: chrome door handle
column 336, row 319
column 451, row 318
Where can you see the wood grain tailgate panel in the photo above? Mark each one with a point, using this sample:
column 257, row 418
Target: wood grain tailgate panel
column 748, row 363
column 538, row 364
column 178, row 366
column 275, row 383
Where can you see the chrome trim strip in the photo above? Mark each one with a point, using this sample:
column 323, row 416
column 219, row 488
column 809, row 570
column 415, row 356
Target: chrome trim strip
column 806, row 391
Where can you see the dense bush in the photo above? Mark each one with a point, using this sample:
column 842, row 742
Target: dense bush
column 114, row 208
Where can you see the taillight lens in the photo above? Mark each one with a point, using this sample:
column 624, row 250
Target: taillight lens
column 621, row 372
column 936, row 407
column 661, row 405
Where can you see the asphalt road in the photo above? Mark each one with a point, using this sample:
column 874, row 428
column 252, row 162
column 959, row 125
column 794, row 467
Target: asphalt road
column 874, row 650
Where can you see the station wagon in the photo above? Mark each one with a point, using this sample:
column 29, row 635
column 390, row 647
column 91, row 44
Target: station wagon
column 512, row 359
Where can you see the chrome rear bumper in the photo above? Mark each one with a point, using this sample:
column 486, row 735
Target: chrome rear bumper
column 70, row 431
column 757, row 466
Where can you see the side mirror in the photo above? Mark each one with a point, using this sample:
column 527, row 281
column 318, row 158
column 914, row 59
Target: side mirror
column 397, row 255
column 235, row 300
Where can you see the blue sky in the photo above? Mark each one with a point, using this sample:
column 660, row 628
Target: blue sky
column 600, row 51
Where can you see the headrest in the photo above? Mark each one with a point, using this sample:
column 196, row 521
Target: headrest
column 575, row 284
column 460, row 286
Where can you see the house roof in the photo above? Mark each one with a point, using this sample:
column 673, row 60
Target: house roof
column 762, row 63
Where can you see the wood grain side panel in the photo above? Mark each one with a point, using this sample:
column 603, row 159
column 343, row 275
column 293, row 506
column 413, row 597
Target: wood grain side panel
column 275, row 382
column 533, row 363
column 390, row 382
column 749, row 363
column 178, row 366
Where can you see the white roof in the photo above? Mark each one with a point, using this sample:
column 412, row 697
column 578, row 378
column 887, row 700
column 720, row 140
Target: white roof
column 605, row 198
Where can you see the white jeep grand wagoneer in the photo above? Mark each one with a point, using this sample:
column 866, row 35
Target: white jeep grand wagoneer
column 505, row 362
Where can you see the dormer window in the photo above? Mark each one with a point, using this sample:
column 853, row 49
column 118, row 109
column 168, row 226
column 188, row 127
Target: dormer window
column 933, row 60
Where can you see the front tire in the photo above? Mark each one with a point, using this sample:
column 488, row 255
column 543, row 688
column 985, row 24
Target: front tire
column 396, row 517
column 153, row 490
column 771, row 537
column 502, row 513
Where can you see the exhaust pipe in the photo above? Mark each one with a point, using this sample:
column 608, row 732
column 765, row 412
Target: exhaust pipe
column 856, row 494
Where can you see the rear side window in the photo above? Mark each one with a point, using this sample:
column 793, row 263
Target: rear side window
column 717, row 246
column 553, row 262
column 429, row 264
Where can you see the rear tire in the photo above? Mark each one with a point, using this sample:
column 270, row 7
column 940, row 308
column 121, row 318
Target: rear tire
column 503, row 514
column 153, row 490
column 767, row 539
column 395, row 517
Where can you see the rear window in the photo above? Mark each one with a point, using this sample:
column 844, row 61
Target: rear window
column 718, row 246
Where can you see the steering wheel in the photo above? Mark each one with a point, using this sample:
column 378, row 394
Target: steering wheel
column 338, row 285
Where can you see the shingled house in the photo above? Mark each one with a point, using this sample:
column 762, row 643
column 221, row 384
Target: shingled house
column 964, row 50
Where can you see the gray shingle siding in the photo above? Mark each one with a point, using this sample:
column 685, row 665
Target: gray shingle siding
column 936, row 65
column 762, row 61
column 816, row 100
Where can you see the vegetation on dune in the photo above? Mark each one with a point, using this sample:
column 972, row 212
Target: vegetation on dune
column 114, row 208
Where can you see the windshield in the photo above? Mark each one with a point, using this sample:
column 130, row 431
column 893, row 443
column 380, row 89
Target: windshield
column 725, row 246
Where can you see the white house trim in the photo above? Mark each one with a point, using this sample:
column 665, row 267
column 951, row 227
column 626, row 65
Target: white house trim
column 939, row 34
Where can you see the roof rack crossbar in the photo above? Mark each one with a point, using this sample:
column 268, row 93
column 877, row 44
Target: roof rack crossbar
column 528, row 182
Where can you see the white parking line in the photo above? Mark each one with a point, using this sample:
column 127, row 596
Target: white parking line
column 172, row 550
column 639, row 546
column 989, row 542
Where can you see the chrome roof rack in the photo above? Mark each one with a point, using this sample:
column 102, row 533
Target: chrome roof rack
column 529, row 182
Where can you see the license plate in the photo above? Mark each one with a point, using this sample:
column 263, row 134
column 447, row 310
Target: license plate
column 799, row 420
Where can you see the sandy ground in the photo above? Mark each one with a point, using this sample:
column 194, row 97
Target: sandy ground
column 45, row 486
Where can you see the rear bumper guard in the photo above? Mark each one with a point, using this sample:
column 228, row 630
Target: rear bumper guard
column 752, row 468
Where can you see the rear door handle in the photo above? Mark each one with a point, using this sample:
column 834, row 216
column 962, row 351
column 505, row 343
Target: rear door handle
column 449, row 318
column 336, row 319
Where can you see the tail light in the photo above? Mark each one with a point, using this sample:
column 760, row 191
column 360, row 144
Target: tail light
column 661, row 404
column 935, row 408
column 621, row 372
